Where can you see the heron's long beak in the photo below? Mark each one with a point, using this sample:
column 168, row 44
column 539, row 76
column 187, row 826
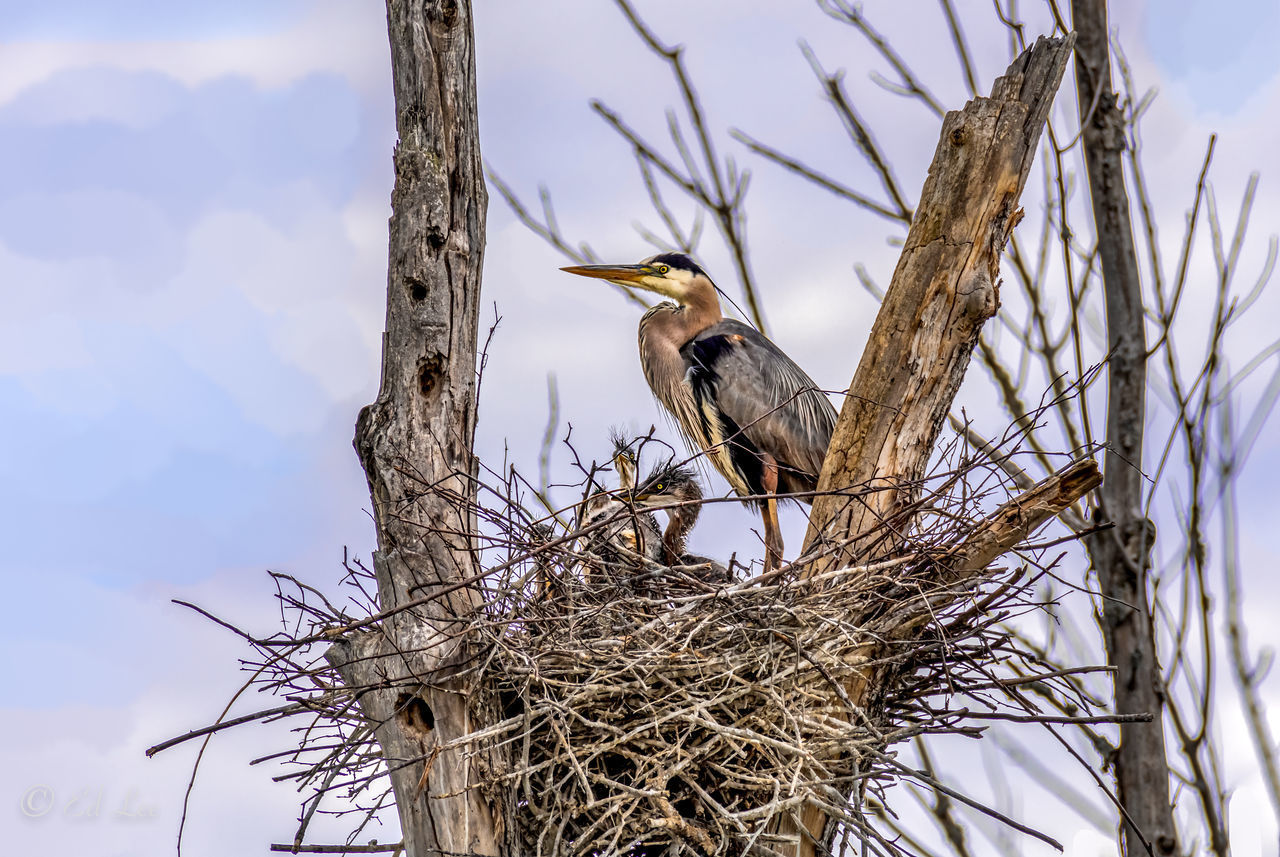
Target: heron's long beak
column 624, row 274
column 642, row 500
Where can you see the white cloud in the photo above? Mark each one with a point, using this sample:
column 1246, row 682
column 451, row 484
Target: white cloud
column 336, row 36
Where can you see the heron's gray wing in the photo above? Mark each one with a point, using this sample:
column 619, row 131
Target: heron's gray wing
column 761, row 391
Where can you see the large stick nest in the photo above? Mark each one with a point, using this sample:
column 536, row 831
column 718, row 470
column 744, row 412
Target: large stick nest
column 640, row 709
column 659, row 714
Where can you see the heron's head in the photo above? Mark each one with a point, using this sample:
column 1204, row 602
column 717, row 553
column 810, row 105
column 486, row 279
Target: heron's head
column 672, row 275
column 624, row 460
column 666, row 485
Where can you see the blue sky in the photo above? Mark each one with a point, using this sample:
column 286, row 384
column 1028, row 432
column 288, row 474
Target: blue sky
column 192, row 255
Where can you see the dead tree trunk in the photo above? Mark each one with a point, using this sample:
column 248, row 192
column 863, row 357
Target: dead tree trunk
column 1121, row 555
column 415, row 445
column 946, row 285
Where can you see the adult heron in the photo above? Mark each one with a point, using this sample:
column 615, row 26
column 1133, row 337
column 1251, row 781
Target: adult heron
column 762, row 421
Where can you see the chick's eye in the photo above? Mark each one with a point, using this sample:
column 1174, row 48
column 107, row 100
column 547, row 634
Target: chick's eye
column 659, row 487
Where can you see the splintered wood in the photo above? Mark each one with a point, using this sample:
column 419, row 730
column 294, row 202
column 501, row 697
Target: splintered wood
column 946, row 285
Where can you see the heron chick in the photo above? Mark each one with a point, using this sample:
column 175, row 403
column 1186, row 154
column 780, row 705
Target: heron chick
column 734, row 394
column 623, row 539
column 620, row 537
column 676, row 491
column 625, row 458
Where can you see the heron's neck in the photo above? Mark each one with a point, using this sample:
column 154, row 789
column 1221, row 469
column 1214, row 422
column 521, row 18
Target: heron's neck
column 700, row 308
column 680, row 521
column 675, row 538
column 665, row 329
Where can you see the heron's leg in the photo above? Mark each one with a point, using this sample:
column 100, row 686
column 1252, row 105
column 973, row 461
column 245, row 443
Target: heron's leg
column 772, row 532
column 772, row 536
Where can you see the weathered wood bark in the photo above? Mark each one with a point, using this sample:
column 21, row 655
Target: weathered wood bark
column 943, row 290
column 1009, row 525
column 415, row 441
column 1121, row 555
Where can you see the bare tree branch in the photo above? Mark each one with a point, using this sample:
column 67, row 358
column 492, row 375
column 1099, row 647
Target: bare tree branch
column 1248, row 673
column 818, row 178
column 1120, row 556
column 911, row 86
column 721, row 193
column 859, row 134
column 962, row 47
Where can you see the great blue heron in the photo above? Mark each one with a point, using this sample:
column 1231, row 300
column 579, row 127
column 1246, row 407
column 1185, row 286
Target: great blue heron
column 676, row 491
column 763, row 422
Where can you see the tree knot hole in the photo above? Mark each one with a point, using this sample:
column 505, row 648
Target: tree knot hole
column 415, row 717
column 417, row 288
column 958, row 135
column 429, row 372
column 445, row 13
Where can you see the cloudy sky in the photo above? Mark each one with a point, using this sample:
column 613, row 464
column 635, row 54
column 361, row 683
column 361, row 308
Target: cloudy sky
column 192, row 273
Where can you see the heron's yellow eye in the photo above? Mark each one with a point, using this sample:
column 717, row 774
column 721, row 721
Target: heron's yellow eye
column 661, row 269
column 659, row 487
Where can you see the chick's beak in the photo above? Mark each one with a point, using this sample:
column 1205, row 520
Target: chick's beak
column 625, row 274
column 643, row 500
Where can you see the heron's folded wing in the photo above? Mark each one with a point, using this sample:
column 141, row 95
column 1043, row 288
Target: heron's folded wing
column 766, row 395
